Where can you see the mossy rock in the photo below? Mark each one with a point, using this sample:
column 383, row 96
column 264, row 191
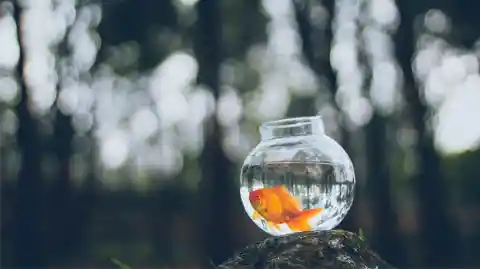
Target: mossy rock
column 336, row 249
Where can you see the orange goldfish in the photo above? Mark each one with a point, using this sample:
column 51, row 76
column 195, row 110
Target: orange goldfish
column 276, row 205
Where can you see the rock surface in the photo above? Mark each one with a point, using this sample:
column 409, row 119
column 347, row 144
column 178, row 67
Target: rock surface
column 325, row 249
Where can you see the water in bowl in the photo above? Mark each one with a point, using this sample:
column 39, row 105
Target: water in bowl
column 297, row 196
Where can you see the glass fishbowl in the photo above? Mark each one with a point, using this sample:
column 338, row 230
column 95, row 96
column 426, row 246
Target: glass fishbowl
column 297, row 178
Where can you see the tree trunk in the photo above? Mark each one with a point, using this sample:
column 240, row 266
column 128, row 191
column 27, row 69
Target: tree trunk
column 27, row 219
column 61, row 213
column 436, row 230
column 165, row 202
column 88, row 195
column 216, row 187
column 385, row 234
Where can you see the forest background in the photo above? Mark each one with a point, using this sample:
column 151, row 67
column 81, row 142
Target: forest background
column 124, row 123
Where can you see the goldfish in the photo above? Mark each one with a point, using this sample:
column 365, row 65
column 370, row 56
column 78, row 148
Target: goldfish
column 277, row 206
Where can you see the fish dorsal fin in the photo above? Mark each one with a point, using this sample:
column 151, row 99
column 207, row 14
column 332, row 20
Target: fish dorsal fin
column 282, row 189
column 290, row 203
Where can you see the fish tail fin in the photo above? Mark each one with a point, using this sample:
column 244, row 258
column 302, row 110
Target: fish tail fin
column 311, row 212
column 300, row 222
column 299, row 225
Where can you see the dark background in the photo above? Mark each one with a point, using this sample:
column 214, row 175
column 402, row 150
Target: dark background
column 110, row 145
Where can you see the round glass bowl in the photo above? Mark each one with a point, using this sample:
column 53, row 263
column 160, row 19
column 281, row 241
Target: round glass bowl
column 297, row 178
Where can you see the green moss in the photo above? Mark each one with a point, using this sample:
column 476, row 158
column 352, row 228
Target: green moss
column 360, row 234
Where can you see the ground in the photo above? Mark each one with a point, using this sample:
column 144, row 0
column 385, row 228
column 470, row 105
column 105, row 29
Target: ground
column 323, row 249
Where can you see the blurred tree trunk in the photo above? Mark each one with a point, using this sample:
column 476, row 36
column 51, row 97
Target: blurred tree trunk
column 385, row 233
column 163, row 208
column 254, row 19
column 154, row 31
column 436, row 229
column 149, row 23
column 88, row 195
column 316, row 46
column 60, row 210
column 27, row 234
column 301, row 106
column 464, row 19
column 217, row 186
